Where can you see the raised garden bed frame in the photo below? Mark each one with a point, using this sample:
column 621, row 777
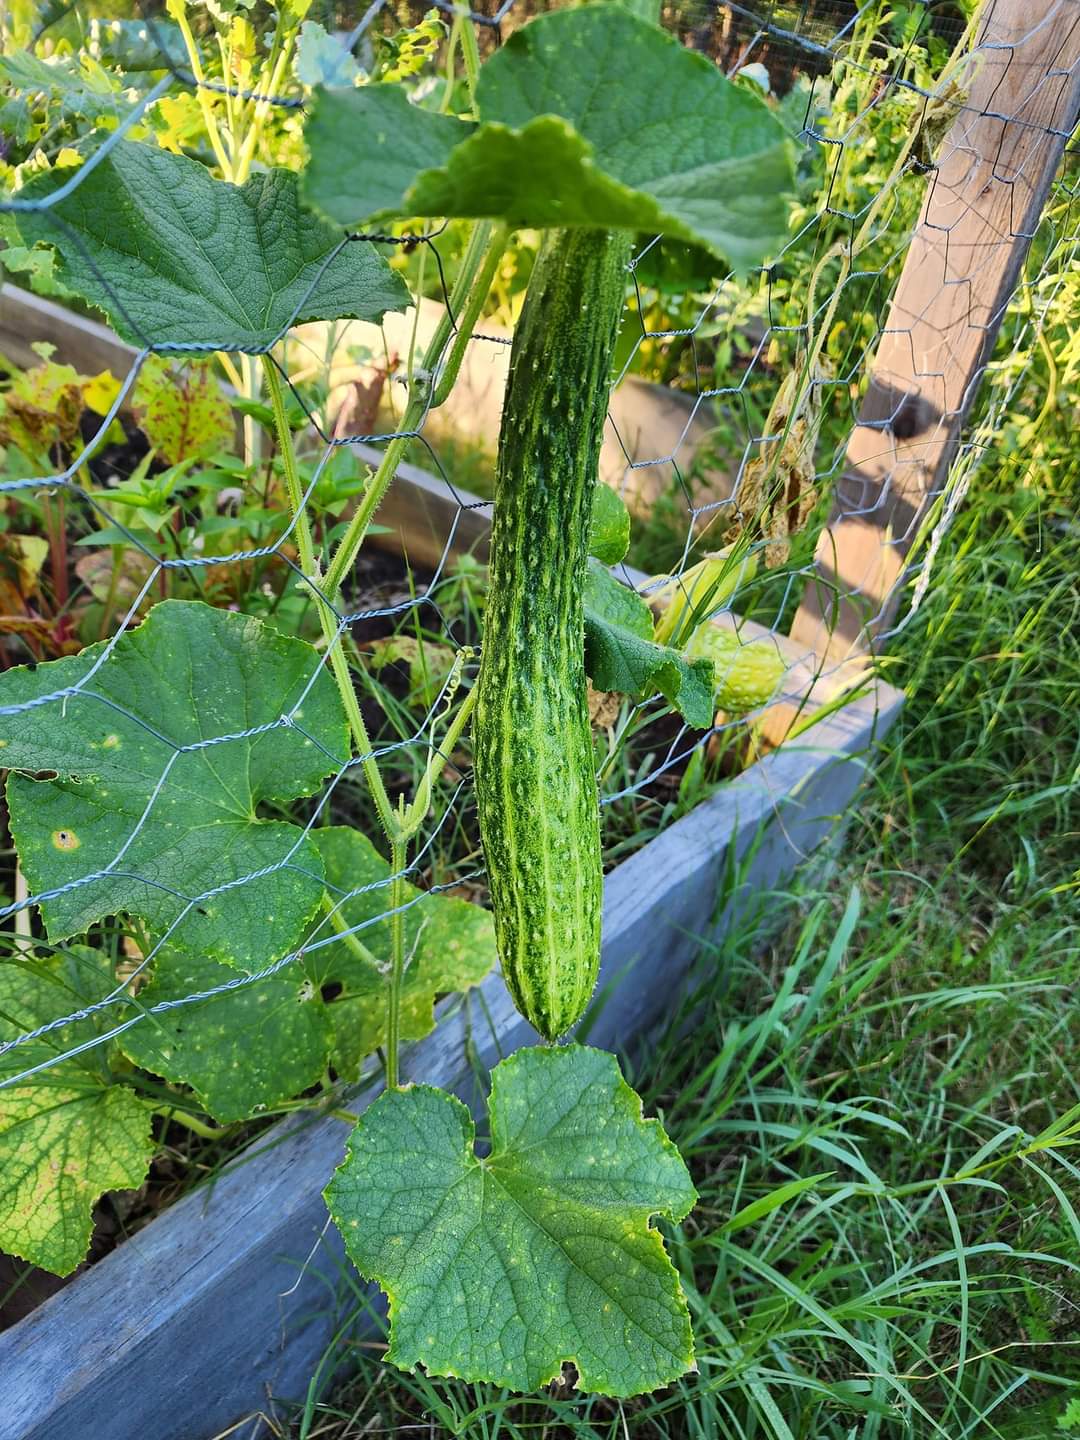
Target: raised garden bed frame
column 204, row 1316
column 212, row 1311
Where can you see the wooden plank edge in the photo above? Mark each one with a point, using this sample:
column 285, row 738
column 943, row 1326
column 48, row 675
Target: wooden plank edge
column 84, row 343
column 214, row 1291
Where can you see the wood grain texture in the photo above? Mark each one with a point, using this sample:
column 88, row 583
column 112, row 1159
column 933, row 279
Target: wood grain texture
column 86, row 344
column 981, row 209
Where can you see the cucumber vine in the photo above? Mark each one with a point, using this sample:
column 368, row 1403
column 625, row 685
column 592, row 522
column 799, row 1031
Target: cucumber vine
column 499, row 1266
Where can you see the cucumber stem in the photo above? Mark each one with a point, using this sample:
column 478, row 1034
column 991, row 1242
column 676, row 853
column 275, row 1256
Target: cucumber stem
column 398, row 850
column 485, row 250
column 339, row 665
column 295, row 490
column 202, row 1128
column 477, row 263
column 348, row 938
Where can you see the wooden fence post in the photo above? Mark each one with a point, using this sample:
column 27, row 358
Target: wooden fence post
column 982, row 207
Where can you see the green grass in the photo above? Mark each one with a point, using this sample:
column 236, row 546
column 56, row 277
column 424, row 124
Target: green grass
column 877, row 1110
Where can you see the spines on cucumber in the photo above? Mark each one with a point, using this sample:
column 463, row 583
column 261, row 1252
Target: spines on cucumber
column 535, row 771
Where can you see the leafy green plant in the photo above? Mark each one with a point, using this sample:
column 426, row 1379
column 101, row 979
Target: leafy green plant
column 559, row 1262
column 145, row 807
column 550, row 150
column 159, row 781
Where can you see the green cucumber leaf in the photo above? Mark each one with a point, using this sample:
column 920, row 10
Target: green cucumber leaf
column 505, row 1267
column 564, row 139
column 451, row 942
column 258, row 1044
column 621, row 655
column 66, row 1135
column 174, row 824
column 175, row 257
column 609, row 538
column 241, row 1051
column 400, row 141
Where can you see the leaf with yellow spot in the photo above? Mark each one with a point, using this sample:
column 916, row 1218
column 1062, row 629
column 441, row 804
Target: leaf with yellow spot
column 255, row 1045
column 450, row 945
column 503, row 1268
column 66, row 1135
column 243, row 1050
column 163, row 748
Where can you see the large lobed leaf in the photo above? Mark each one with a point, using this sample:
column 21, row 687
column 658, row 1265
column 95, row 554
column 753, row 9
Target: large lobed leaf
column 254, row 1046
column 66, row 1135
column 175, row 257
column 504, row 1267
column 241, row 1051
column 137, row 824
column 566, row 138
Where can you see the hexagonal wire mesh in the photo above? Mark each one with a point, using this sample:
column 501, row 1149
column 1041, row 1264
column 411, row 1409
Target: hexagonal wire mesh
column 825, row 384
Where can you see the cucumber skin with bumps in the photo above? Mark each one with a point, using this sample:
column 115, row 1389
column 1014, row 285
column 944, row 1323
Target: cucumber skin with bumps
column 535, row 772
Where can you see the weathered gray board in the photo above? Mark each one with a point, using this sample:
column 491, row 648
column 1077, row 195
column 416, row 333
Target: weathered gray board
column 207, row 1314
column 187, row 1327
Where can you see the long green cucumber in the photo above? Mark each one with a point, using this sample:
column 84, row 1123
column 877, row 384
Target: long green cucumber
column 535, row 772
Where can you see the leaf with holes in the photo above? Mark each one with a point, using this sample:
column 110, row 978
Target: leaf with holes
column 164, row 747
column 177, row 258
column 450, row 944
column 66, row 1135
column 502, row 1268
column 620, row 653
column 240, row 1051
column 564, row 140
column 258, row 1044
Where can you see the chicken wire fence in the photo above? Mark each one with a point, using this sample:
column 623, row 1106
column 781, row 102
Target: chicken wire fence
column 766, row 382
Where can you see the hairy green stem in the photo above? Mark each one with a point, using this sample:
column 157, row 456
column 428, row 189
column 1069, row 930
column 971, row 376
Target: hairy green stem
column 486, row 237
column 469, row 52
column 414, row 816
column 277, row 64
column 178, row 11
column 339, row 665
column 348, row 938
column 398, row 850
column 492, row 255
column 190, row 1122
column 293, row 485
